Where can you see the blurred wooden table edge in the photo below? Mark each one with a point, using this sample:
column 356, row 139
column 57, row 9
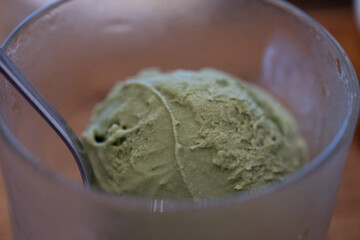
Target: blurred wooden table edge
column 345, row 224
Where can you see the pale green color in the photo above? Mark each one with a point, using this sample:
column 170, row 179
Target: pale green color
column 187, row 134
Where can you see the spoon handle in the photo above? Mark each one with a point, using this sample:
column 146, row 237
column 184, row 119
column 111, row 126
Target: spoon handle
column 11, row 72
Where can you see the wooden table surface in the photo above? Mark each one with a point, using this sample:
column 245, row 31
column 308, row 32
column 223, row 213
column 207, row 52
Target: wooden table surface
column 345, row 224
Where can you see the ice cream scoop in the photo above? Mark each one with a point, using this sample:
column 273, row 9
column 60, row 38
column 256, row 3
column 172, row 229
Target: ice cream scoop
column 188, row 134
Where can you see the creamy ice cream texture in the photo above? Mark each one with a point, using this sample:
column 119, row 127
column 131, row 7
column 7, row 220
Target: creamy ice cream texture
column 187, row 134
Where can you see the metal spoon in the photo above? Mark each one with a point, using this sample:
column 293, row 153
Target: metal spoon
column 13, row 74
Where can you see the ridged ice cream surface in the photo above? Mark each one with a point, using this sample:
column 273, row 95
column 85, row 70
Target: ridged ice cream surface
column 190, row 134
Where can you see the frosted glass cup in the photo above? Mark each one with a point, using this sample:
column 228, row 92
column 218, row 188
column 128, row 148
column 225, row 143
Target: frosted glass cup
column 74, row 52
column 13, row 11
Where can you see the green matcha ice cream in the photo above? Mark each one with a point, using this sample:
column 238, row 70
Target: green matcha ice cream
column 187, row 134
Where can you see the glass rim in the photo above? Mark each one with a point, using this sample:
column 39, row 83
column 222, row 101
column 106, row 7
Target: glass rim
column 173, row 204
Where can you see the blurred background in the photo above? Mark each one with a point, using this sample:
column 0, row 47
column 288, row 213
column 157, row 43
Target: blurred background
column 341, row 18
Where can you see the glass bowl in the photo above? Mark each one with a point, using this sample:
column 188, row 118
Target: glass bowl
column 75, row 51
